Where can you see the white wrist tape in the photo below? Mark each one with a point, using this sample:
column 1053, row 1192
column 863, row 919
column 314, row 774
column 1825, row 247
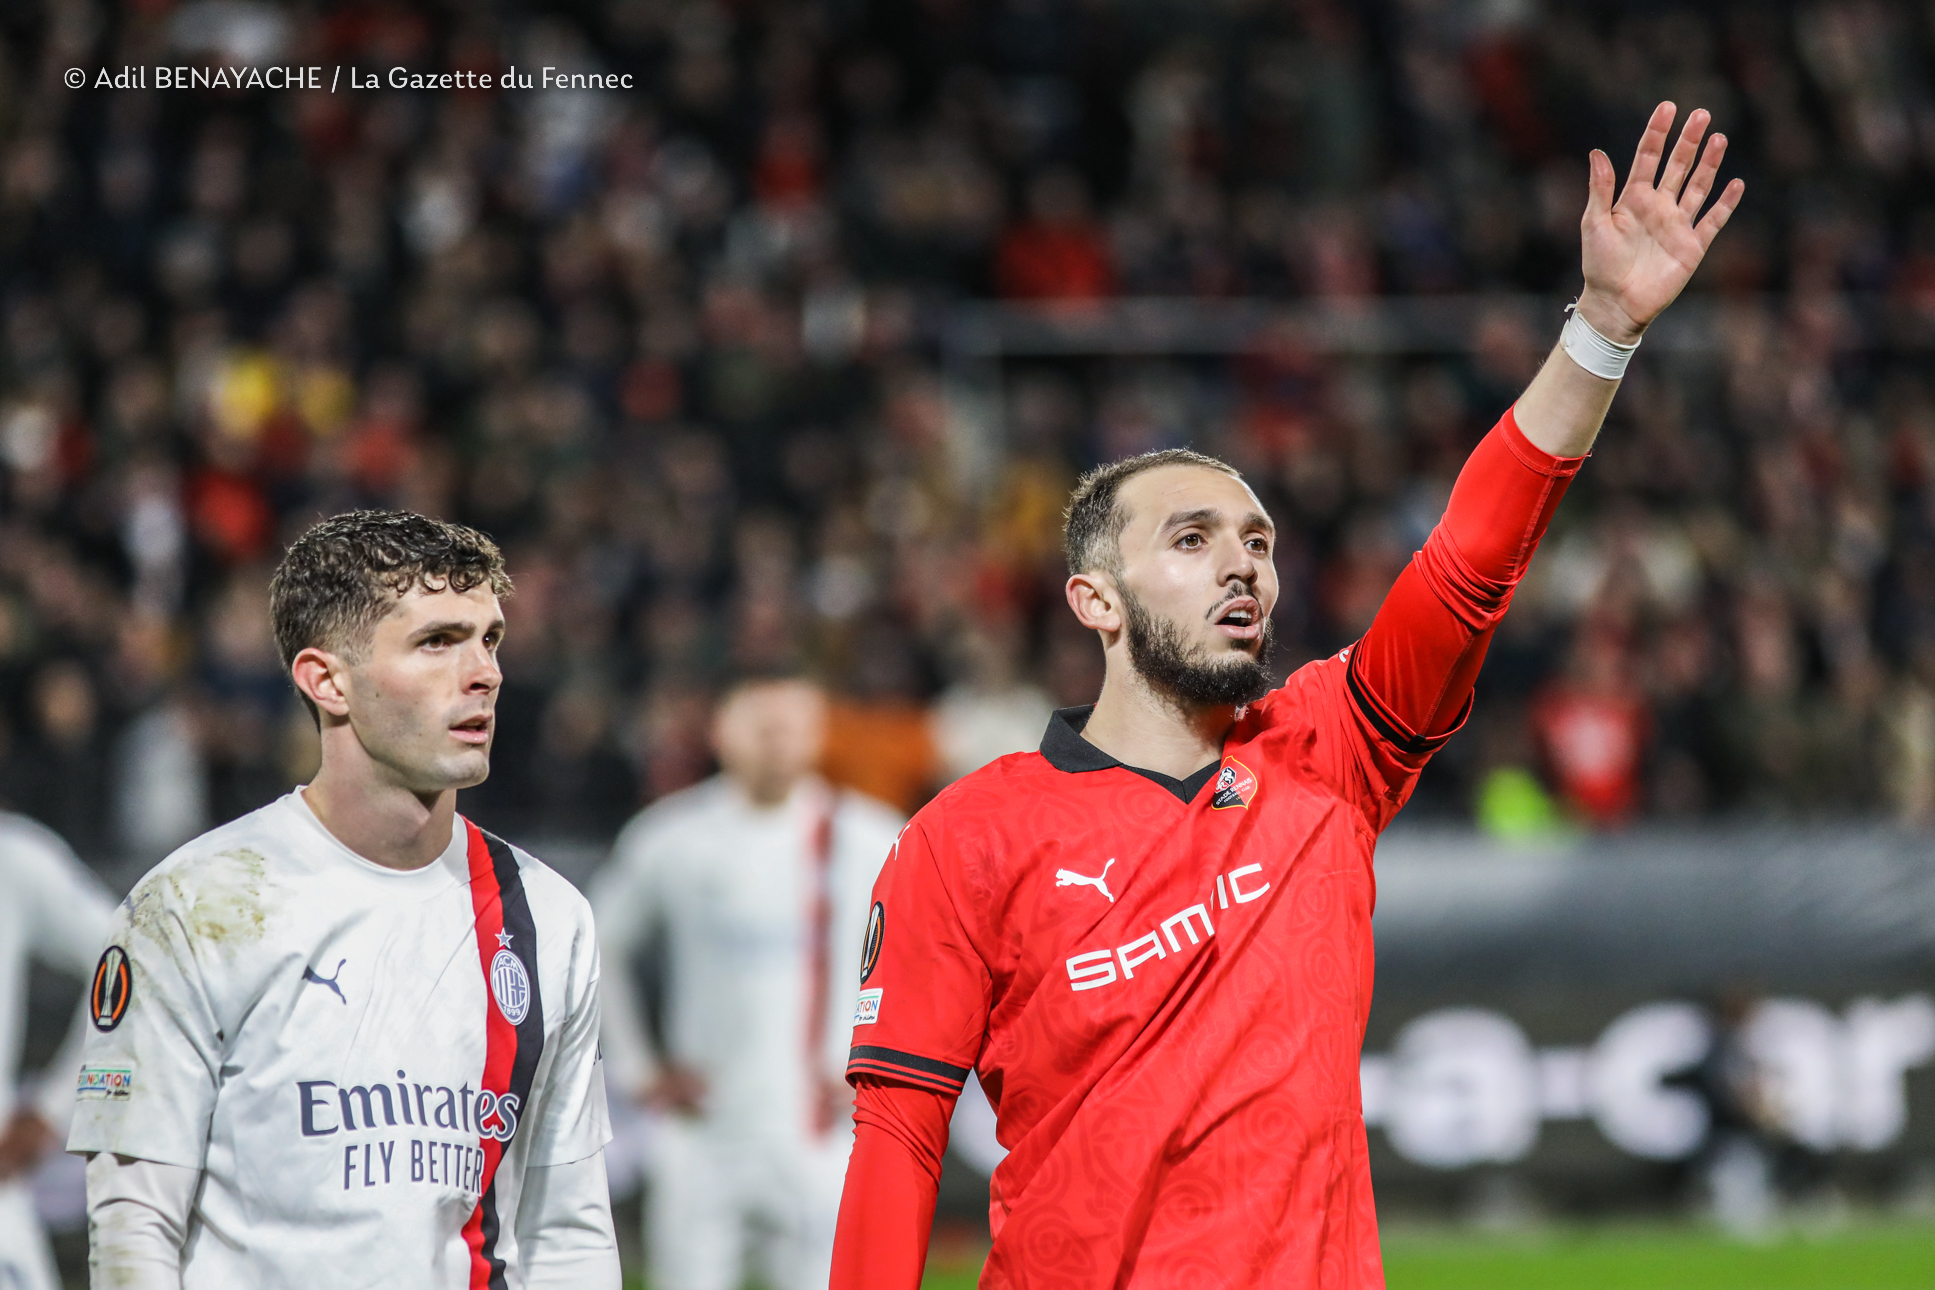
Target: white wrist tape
column 1586, row 347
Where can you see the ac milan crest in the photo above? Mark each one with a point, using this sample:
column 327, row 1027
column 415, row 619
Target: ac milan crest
column 510, row 986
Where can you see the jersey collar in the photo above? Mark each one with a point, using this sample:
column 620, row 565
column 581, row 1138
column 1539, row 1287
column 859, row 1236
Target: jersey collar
column 452, row 863
column 1064, row 748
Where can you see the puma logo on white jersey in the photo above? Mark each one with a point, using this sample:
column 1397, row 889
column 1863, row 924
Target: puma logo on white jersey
column 1069, row 878
column 311, row 975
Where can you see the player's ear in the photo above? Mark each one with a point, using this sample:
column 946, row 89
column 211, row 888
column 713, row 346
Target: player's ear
column 324, row 679
column 1096, row 601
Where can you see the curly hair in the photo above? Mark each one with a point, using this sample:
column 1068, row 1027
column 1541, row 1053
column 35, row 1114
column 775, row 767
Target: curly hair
column 340, row 578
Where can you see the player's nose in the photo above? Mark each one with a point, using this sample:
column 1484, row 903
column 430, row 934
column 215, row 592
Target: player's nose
column 1244, row 572
column 1239, row 563
column 484, row 674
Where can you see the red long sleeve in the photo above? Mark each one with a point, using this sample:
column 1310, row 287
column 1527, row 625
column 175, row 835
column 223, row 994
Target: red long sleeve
column 893, row 1177
column 1415, row 668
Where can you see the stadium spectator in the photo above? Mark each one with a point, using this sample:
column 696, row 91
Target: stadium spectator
column 1593, row 727
column 681, row 350
column 1057, row 253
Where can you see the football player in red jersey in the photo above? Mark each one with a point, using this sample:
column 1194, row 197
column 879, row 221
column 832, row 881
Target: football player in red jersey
column 1152, row 939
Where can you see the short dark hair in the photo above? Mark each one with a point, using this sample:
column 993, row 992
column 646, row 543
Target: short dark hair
column 1093, row 523
column 339, row 579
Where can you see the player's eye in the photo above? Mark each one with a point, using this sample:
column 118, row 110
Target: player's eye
column 1190, row 541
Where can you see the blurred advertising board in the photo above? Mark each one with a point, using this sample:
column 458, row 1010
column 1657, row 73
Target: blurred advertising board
column 1599, row 1011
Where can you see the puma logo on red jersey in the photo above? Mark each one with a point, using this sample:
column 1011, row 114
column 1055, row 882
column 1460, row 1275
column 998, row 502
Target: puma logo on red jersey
column 1069, row 878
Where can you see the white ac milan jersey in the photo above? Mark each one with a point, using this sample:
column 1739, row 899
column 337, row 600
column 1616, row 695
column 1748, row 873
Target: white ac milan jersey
column 731, row 885
column 363, row 1061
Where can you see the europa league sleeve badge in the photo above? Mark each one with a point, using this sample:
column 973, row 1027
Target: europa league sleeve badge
column 107, row 1001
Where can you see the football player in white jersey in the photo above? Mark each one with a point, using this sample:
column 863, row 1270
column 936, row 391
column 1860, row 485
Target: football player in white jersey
column 758, row 880
column 53, row 910
column 350, row 1039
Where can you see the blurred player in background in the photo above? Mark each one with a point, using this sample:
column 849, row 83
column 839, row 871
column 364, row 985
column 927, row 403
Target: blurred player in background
column 1153, row 937
column 1737, row 1164
column 757, row 880
column 53, row 910
column 350, row 1039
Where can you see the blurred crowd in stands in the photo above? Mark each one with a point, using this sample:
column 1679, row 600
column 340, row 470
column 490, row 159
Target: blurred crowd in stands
column 678, row 349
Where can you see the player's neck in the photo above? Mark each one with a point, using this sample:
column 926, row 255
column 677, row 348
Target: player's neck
column 764, row 792
column 382, row 822
column 1139, row 727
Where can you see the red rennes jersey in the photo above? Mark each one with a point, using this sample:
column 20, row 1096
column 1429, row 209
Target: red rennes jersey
column 1163, row 986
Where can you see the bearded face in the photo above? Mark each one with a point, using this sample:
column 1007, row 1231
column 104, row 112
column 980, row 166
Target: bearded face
column 1185, row 605
column 1194, row 675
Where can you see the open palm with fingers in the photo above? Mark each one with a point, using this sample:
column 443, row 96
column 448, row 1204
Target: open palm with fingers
column 1639, row 251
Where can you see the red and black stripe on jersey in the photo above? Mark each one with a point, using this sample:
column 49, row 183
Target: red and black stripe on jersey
column 908, row 1068
column 1386, row 723
column 511, row 1052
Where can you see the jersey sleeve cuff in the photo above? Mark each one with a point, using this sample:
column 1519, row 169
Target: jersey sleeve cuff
column 1391, row 730
column 905, row 1068
column 1530, row 454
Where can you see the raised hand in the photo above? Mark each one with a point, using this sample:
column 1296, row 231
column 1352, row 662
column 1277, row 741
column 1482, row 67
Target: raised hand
column 1639, row 252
